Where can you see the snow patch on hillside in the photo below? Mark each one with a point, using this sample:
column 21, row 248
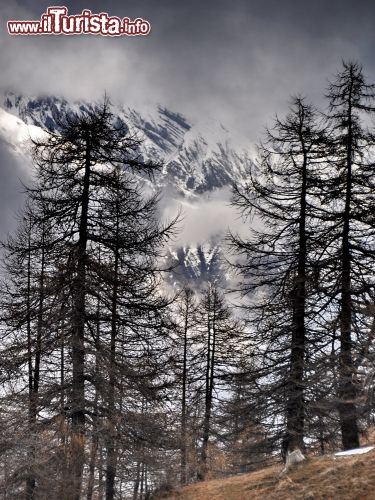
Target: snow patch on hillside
column 355, row 451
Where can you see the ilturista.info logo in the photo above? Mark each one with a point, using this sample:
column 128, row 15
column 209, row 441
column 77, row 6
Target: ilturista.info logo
column 57, row 22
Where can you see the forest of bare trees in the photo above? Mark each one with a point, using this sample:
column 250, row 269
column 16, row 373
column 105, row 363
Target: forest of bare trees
column 115, row 386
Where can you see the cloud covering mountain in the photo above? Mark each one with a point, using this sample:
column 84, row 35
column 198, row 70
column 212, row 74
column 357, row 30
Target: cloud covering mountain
column 199, row 161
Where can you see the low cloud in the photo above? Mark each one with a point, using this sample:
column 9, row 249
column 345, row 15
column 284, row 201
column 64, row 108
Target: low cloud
column 12, row 174
column 238, row 65
column 209, row 217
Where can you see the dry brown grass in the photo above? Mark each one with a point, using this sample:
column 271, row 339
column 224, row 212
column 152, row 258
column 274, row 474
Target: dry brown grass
column 349, row 478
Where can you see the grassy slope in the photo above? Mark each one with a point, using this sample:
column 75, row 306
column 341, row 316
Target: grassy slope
column 351, row 478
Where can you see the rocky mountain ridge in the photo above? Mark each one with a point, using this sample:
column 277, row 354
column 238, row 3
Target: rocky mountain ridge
column 198, row 160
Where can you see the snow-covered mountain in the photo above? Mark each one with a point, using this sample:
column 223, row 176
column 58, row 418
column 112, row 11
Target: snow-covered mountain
column 198, row 160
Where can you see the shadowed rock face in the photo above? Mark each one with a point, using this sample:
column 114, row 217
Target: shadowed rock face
column 196, row 265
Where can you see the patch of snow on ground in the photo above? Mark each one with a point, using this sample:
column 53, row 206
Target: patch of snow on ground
column 356, row 451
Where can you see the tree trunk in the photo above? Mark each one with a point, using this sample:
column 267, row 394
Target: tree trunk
column 137, row 481
column 347, row 391
column 183, row 399
column 111, row 445
column 206, row 421
column 95, row 436
column 78, row 348
column 34, row 374
column 30, row 481
column 295, row 395
column 92, row 464
column 100, row 479
column 209, row 388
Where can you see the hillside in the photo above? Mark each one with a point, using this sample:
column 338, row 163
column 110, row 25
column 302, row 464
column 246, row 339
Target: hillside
column 320, row 478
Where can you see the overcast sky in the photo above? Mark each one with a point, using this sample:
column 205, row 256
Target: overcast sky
column 237, row 61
